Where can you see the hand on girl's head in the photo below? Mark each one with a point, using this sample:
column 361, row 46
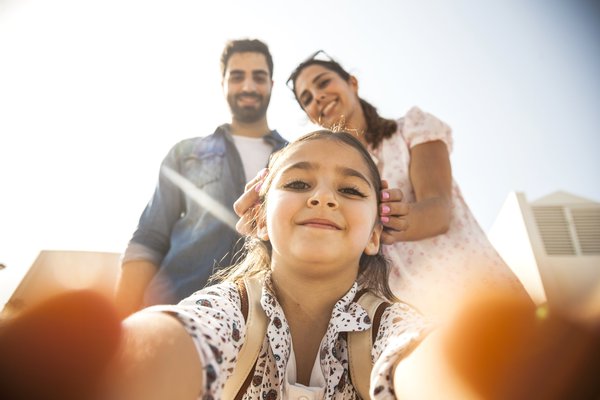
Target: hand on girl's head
column 245, row 205
column 393, row 213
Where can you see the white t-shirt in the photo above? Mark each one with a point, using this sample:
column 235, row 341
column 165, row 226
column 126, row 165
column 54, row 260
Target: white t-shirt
column 297, row 391
column 254, row 153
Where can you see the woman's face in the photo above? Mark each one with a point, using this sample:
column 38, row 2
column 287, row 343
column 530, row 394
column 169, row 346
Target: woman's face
column 321, row 210
column 327, row 98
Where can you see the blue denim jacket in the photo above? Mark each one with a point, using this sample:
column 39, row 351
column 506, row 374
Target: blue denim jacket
column 180, row 236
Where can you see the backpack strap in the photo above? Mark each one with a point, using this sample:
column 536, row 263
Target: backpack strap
column 361, row 343
column 250, row 290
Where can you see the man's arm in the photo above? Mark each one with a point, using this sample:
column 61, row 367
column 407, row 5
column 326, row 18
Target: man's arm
column 132, row 282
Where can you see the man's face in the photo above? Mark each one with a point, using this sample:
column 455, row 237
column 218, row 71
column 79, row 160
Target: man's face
column 247, row 86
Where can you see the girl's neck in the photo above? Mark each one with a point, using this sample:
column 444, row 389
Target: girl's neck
column 315, row 296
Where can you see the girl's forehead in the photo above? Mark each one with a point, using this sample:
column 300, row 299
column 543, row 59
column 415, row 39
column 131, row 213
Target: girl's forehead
column 324, row 152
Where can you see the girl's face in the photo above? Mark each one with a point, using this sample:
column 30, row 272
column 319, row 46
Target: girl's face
column 327, row 98
column 321, row 209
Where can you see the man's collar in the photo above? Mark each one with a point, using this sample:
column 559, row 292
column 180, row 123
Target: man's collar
column 272, row 137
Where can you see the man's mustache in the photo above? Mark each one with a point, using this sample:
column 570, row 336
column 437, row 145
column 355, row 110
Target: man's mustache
column 248, row 95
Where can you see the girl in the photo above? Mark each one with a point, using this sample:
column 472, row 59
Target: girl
column 437, row 250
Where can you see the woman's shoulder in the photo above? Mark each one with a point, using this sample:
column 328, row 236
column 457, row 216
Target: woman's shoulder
column 418, row 126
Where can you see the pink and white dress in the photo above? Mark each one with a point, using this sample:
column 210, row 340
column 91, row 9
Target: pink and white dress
column 436, row 273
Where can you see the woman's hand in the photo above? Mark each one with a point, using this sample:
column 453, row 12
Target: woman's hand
column 393, row 214
column 245, row 205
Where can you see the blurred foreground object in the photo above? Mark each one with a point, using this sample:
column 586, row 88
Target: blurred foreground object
column 504, row 348
column 59, row 348
column 56, row 271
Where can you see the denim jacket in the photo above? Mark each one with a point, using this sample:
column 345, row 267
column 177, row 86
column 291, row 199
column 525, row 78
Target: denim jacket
column 181, row 237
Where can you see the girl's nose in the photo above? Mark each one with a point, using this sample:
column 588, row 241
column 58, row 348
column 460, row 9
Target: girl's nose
column 323, row 199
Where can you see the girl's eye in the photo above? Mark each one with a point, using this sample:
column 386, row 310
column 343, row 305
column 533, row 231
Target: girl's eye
column 296, row 185
column 352, row 191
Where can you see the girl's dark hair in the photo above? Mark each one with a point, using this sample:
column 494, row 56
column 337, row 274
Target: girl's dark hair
column 378, row 128
column 373, row 272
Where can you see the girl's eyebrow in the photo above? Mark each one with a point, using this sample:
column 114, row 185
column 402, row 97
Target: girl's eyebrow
column 345, row 171
column 352, row 172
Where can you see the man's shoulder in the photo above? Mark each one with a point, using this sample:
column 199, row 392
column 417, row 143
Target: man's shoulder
column 213, row 142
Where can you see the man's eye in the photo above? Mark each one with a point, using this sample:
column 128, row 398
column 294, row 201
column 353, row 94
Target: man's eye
column 298, row 185
column 352, row 191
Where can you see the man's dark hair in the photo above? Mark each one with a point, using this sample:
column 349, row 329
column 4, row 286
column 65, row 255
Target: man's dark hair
column 245, row 46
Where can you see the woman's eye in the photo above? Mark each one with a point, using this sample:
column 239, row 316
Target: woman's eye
column 352, row 191
column 297, row 185
column 322, row 84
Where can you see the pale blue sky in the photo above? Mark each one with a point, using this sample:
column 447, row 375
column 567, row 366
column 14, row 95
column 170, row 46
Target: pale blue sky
column 93, row 94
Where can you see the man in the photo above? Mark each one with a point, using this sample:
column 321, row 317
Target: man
column 178, row 243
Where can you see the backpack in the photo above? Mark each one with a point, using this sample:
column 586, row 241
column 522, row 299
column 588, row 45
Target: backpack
column 359, row 343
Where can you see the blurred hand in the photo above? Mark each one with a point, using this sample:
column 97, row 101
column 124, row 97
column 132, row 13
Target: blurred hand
column 245, row 205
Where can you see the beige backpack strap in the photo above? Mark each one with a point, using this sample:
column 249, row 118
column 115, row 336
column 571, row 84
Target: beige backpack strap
column 361, row 343
column 256, row 327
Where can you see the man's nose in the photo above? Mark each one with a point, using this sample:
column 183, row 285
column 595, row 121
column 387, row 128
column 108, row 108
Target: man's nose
column 249, row 85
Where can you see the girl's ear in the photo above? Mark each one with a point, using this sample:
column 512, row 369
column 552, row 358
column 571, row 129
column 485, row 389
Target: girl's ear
column 261, row 232
column 372, row 247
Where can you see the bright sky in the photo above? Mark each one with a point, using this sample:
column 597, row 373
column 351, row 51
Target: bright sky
column 93, row 93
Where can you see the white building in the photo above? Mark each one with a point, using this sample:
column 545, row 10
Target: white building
column 553, row 245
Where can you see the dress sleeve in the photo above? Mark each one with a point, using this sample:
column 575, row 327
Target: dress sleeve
column 421, row 127
column 402, row 328
column 214, row 320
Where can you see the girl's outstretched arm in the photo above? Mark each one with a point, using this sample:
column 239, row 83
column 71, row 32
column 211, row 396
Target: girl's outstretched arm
column 431, row 177
column 157, row 360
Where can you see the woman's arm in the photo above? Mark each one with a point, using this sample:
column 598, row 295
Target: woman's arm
column 431, row 177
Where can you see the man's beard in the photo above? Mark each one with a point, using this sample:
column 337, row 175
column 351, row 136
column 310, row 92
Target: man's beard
column 248, row 114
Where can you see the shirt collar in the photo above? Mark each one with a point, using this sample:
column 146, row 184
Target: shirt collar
column 272, row 137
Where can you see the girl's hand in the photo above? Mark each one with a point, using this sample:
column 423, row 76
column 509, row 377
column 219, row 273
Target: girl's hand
column 245, row 205
column 393, row 214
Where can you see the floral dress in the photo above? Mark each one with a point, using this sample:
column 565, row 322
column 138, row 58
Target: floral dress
column 214, row 320
column 436, row 273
